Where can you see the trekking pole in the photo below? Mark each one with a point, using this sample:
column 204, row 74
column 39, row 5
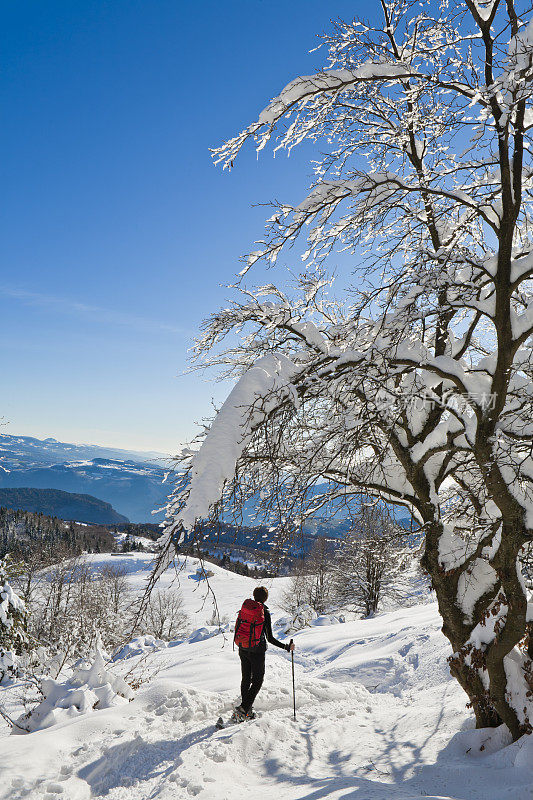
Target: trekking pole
column 293, row 689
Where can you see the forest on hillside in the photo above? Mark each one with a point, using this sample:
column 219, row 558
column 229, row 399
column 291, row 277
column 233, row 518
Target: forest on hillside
column 27, row 536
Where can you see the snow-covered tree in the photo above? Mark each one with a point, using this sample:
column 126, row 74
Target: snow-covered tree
column 12, row 609
column 418, row 388
column 310, row 583
column 370, row 565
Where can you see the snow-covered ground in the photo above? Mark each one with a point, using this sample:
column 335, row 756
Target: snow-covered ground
column 378, row 718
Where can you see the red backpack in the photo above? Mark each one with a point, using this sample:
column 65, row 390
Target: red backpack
column 249, row 625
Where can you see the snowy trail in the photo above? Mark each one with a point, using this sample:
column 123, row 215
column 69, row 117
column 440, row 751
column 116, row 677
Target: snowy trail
column 345, row 743
column 378, row 718
column 173, row 746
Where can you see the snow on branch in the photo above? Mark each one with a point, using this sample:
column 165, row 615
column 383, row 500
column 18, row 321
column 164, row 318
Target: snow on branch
column 259, row 391
column 373, row 194
column 484, row 9
column 302, row 89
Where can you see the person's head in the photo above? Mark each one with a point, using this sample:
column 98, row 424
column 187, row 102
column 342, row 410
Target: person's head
column 260, row 594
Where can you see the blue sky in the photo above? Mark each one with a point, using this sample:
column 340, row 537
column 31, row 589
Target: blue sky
column 118, row 232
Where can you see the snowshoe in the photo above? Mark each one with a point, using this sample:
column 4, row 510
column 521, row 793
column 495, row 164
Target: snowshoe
column 237, row 717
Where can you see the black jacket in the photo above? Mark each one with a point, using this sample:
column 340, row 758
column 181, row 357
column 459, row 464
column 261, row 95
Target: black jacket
column 266, row 636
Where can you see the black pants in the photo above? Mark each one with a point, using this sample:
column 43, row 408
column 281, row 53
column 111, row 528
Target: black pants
column 253, row 672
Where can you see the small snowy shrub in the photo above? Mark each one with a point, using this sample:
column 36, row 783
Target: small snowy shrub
column 218, row 620
column 302, row 617
column 92, row 687
column 139, row 646
column 164, row 616
column 200, row 634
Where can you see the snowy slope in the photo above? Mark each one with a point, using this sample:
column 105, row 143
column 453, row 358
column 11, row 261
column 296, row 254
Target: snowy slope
column 378, row 717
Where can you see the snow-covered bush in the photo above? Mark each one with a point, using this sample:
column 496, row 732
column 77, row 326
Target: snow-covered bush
column 199, row 634
column 302, row 616
column 219, row 620
column 92, row 687
column 12, row 610
column 202, row 574
column 74, row 605
column 140, row 646
column 328, row 619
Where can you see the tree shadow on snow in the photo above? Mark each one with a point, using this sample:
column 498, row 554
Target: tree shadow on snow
column 396, row 769
column 135, row 761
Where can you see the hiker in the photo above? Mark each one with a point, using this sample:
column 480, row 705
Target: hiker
column 253, row 630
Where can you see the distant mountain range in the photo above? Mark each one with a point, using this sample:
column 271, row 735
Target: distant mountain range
column 51, row 451
column 130, row 481
column 65, row 505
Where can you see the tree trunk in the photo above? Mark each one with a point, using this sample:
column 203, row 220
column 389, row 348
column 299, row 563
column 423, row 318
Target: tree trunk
column 512, row 631
column 479, row 699
column 457, row 631
column 491, row 707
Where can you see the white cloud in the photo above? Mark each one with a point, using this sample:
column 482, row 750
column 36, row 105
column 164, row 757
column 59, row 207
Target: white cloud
column 65, row 305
